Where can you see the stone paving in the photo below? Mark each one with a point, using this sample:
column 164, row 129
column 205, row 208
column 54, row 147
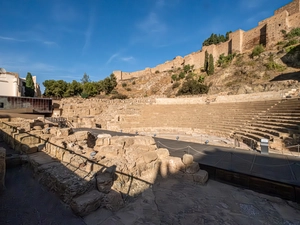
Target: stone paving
column 177, row 201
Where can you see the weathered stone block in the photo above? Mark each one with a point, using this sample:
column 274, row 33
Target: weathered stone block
column 87, row 203
column 187, row 159
column 113, row 201
column 149, row 157
column 175, row 165
column 193, row 168
column 104, row 182
column 103, row 141
column 64, row 132
column 162, row 152
column 29, row 149
column 200, row 177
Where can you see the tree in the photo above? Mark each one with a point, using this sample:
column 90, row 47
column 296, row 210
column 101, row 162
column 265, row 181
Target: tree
column 55, row 88
column 29, row 87
column 206, row 61
column 73, row 89
column 85, row 78
column 211, row 65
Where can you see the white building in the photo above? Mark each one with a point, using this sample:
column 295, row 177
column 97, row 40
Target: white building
column 13, row 85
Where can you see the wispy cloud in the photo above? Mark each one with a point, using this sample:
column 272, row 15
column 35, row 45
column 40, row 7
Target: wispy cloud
column 89, row 30
column 152, row 24
column 11, row 39
column 112, row 57
column 128, row 59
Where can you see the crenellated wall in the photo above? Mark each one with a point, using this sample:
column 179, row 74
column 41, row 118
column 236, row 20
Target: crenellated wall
column 268, row 33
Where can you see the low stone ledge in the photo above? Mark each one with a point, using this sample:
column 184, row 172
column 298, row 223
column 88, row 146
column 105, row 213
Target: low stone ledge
column 2, row 168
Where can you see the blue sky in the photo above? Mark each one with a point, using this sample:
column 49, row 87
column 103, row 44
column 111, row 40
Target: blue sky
column 63, row 39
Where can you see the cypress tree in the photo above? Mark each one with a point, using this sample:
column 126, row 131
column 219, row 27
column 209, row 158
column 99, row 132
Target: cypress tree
column 29, row 87
column 211, row 66
column 206, row 61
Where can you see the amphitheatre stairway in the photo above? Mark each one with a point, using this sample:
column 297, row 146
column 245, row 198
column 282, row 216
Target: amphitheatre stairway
column 275, row 120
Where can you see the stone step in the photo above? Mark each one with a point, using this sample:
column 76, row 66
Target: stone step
column 64, row 179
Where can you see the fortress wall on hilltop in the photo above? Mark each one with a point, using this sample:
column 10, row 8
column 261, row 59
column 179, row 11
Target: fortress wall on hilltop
column 294, row 20
column 268, row 32
column 291, row 8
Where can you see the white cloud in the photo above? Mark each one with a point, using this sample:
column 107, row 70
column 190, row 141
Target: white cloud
column 128, row 59
column 152, row 24
column 112, row 57
column 11, row 39
column 89, row 31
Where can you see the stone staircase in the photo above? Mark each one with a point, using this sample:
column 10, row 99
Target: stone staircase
column 275, row 120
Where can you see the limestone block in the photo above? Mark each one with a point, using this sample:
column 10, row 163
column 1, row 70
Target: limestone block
column 67, row 157
column 87, row 203
column 60, row 153
column 193, row 168
column 2, row 168
column 89, row 167
column 144, row 140
column 53, row 130
column 78, row 161
column 104, row 182
column 104, row 136
column 97, row 167
column 29, row 149
column 64, row 132
column 164, row 168
column 108, row 151
column 187, row 159
column 71, row 138
column 175, row 164
column 113, row 201
column 37, row 128
column 149, row 157
column 103, row 141
column 162, row 152
column 200, row 177
column 86, row 136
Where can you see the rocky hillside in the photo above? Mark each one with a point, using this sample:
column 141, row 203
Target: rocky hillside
column 273, row 69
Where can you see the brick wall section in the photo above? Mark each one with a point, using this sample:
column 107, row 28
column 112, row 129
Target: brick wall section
column 268, row 33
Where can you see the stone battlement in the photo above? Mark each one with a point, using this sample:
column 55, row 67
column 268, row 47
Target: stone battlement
column 268, row 32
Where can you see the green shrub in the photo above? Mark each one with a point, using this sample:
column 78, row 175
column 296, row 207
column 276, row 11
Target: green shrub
column 157, row 71
column 84, row 95
column 275, row 66
column 175, row 85
column 192, row 87
column 119, row 96
column 174, row 77
column 258, row 49
column 187, row 68
column 181, row 75
column 291, row 42
column 133, row 82
column 224, row 61
column 128, row 89
column 124, row 84
column 294, row 33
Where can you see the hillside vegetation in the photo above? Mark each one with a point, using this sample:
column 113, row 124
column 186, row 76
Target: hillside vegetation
column 272, row 69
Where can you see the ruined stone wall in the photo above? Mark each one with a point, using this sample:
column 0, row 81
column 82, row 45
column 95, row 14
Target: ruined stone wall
column 254, row 37
column 294, row 20
column 275, row 25
column 291, row 8
column 268, row 32
column 236, row 40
